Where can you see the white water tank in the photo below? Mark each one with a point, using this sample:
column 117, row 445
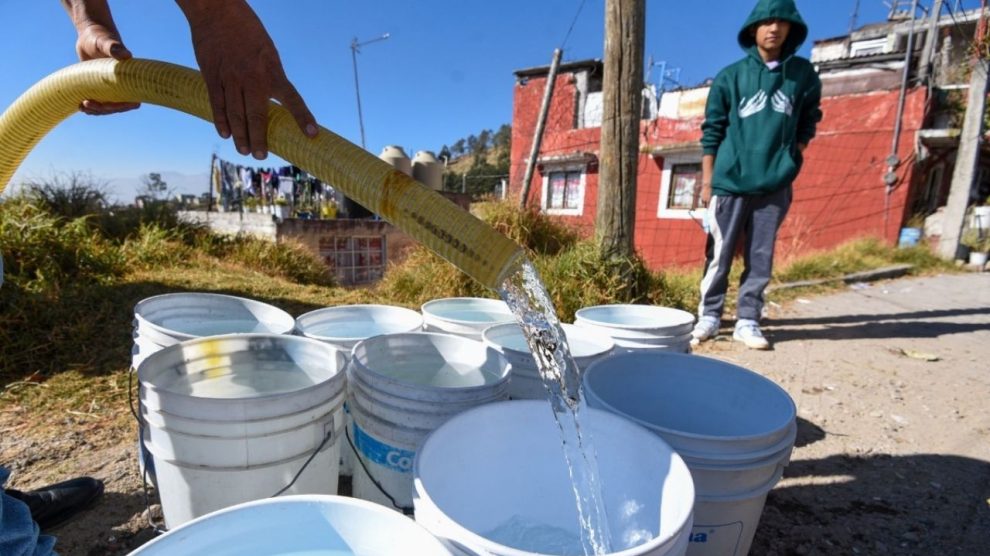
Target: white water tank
column 397, row 158
column 428, row 170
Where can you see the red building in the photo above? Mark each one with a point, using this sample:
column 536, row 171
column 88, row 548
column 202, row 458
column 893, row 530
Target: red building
column 839, row 195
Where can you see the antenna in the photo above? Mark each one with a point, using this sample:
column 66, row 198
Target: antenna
column 355, row 49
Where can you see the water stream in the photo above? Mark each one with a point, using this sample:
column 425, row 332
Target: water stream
column 528, row 299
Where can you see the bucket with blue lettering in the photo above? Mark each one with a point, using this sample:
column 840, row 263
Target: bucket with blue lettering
column 493, row 481
column 311, row 525
column 734, row 428
column 346, row 325
column 400, row 388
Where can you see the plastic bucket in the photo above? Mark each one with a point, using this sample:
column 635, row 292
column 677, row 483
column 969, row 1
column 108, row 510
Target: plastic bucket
column 183, row 316
column 734, row 428
column 234, row 418
column 298, row 525
column 909, row 237
column 464, row 316
column 500, row 466
column 639, row 327
column 344, row 326
column 401, row 387
column 526, row 383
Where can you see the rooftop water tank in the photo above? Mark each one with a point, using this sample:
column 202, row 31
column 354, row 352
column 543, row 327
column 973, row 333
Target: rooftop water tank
column 428, row 170
column 397, row 158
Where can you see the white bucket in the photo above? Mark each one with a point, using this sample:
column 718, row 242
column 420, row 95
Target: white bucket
column 235, row 418
column 734, row 428
column 344, row 326
column 502, row 465
column 183, row 316
column 298, row 525
column 464, row 316
column 401, row 387
column 525, row 382
column 640, row 327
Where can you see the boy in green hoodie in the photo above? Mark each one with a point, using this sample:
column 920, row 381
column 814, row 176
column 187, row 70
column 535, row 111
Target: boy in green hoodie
column 761, row 114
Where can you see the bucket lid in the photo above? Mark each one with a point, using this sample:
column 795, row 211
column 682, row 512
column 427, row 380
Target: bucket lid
column 192, row 315
column 698, row 404
column 352, row 323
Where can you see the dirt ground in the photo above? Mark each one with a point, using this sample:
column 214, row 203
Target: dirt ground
column 893, row 452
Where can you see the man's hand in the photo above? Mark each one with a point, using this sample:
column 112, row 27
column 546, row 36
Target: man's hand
column 243, row 72
column 98, row 38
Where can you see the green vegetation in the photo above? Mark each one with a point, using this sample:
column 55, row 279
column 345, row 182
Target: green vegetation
column 66, row 306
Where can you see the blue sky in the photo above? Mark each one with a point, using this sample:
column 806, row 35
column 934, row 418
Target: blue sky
column 445, row 72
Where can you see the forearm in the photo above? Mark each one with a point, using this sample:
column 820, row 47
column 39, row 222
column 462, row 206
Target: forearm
column 84, row 13
column 200, row 11
column 707, row 169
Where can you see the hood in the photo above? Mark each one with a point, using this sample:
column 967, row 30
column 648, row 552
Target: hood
column 775, row 9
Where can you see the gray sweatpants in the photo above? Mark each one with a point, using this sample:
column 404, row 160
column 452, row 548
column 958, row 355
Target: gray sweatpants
column 755, row 219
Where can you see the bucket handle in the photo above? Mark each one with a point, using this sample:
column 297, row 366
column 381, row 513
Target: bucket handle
column 406, row 510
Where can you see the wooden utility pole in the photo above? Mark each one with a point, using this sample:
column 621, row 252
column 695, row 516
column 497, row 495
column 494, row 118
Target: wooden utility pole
column 534, row 151
column 968, row 156
column 622, row 105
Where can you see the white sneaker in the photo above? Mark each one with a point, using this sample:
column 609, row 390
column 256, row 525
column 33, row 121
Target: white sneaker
column 748, row 332
column 706, row 329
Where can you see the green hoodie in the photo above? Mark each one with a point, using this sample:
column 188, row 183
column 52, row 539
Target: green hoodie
column 756, row 117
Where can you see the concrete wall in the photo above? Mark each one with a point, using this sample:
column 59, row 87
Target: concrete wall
column 233, row 223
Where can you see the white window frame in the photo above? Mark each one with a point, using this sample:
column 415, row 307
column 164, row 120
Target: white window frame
column 669, row 161
column 868, row 47
column 545, row 200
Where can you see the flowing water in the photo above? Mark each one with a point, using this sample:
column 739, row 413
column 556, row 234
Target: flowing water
column 532, row 307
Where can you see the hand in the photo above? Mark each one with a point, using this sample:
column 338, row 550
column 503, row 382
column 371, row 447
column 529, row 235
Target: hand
column 243, row 72
column 98, row 38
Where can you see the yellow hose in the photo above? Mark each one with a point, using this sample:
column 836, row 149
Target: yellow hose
column 427, row 216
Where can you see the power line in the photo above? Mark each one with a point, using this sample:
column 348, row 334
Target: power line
column 573, row 21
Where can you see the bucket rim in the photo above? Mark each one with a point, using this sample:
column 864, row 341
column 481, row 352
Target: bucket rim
column 283, row 316
column 493, row 547
column 357, row 366
column 301, row 327
column 320, row 500
column 585, row 314
column 337, row 356
column 489, row 336
column 686, row 356
column 427, row 310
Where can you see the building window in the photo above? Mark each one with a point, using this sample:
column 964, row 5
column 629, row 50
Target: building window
column 563, row 191
column 355, row 259
column 680, row 187
column 868, row 47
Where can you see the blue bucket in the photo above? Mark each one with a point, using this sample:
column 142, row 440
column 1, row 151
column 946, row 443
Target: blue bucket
column 909, row 237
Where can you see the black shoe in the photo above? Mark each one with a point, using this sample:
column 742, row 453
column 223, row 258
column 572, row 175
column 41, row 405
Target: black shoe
column 55, row 504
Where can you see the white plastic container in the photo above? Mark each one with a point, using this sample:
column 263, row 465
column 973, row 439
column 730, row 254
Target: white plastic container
column 734, row 428
column 464, row 316
column 401, row 387
column 344, row 326
column 640, row 327
column 184, row 316
column 501, row 466
column 311, row 524
column 234, row 418
column 525, row 382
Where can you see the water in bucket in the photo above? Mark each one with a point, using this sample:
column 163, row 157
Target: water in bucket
column 527, row 298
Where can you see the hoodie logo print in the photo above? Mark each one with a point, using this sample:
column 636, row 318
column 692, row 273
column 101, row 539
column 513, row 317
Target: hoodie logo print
column 751, row 106
column 782, row 103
